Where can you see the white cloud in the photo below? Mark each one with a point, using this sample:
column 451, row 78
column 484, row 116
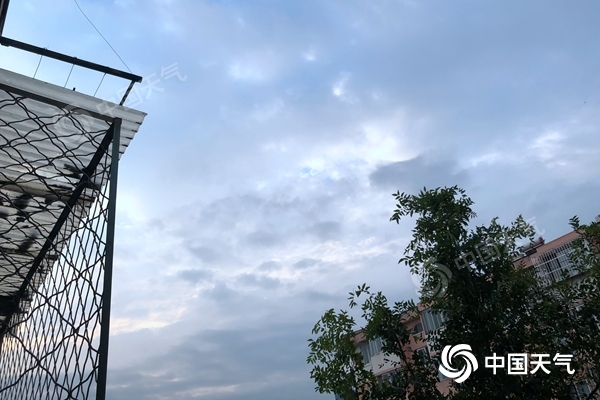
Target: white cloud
column 246, row 72
column 340, row 90
column 547, row 147
column 268, row 111
column 376, row 140
column 310, row 55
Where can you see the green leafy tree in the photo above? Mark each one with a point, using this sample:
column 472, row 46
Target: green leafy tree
column 584, row 337
column 339, row 368
column 469, row 276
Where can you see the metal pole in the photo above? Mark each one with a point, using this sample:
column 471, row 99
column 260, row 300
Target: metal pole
column 108, row 265
column 4, row 41
column 3, row 12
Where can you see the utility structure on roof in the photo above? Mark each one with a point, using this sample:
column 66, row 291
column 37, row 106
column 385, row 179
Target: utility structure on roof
column 59, row 153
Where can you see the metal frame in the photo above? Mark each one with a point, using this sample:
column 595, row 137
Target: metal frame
column 111, row 134
column 4, row 41
column 108, row 264
column 3, row 11
column 111, row 141
column 551, row 264
column 55, row 103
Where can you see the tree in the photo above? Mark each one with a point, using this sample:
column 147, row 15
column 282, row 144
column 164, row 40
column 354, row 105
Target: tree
column 339, row 368
column 469, row 276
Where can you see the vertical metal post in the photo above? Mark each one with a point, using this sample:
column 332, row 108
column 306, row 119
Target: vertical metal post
column 3, row 12
column 108, row 265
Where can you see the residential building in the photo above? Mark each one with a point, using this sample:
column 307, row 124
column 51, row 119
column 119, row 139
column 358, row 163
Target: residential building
column 551, row 263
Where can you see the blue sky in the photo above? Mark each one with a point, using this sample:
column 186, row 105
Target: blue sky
column 257, row 193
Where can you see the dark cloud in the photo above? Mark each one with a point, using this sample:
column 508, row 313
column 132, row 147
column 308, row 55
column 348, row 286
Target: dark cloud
column 265, row 239
column 326, row 230
column 269, row 266
column 251, row 363
column 306, row 263
column 194, row 275
column 157, row 224
column 412, row 175
column 262, row 282
column 222, row 294
column 205, row 254
column 547, row 204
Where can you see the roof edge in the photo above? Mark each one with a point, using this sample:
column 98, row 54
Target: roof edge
column 73, row 99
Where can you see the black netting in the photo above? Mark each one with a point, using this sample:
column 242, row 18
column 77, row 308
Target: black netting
column 54, row 197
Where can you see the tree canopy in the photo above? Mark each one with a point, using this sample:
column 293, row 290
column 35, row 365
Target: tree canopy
column 489, row 301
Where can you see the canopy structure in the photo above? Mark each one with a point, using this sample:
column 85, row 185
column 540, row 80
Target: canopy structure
column 58, row 170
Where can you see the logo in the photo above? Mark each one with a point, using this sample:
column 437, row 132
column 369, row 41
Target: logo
column 463, row 350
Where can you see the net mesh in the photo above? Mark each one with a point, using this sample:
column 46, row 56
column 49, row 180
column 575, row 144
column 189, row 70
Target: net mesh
column 54, row 197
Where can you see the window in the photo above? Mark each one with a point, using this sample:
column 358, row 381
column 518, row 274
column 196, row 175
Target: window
column 580, row 390
column 551, row 265
column 423, row 352
column 387, row 377
column 432, row 320
column 371, row 348
column 441, row 377
column 383, row 378
column 417, row 328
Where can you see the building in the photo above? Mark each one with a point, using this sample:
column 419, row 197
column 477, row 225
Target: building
column 419, row 326
column 550, row 262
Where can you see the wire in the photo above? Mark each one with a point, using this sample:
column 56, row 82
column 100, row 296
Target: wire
column 38, row 66
column 117, row 54
column 72, row 66
column 101, row 80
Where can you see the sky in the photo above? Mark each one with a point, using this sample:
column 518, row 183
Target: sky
column 257, row 192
